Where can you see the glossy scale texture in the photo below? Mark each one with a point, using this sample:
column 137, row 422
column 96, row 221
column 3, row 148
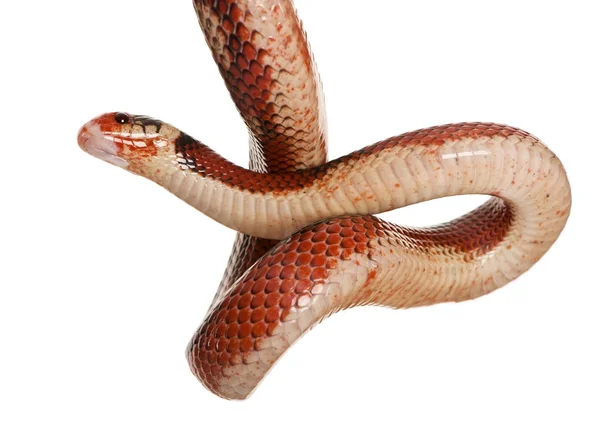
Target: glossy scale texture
column 264, row 58
column 334, row 253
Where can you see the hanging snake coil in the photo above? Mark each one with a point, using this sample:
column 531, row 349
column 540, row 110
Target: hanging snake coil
column 308, row 244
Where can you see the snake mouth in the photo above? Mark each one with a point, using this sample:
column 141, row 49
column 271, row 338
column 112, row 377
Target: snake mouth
column 94, row 142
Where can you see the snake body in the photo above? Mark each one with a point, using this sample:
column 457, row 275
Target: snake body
column 309, row 244
column 265, row 61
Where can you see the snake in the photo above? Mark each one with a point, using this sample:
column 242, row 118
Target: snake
column 308, row 242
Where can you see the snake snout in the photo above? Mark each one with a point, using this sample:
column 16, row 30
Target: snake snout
column 94, row 142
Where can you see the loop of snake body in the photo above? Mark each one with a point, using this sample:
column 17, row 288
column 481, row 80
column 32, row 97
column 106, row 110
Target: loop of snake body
column 308, row 243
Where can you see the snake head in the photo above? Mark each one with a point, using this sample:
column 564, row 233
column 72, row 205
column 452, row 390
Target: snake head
column 136, row 143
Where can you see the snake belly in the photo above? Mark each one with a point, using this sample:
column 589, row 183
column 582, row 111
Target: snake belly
column 321, row 249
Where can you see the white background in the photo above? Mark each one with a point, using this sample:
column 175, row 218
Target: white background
column 104, row 276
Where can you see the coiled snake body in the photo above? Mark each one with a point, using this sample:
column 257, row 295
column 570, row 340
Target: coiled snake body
column 308, row 244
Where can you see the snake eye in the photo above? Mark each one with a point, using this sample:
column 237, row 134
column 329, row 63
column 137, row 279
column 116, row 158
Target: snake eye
column 121, row 118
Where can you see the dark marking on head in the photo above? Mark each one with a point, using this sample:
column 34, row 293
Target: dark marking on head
column 146, row 121
column 185, row 148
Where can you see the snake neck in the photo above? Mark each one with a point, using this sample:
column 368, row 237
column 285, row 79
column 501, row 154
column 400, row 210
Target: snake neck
column 195, row 157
